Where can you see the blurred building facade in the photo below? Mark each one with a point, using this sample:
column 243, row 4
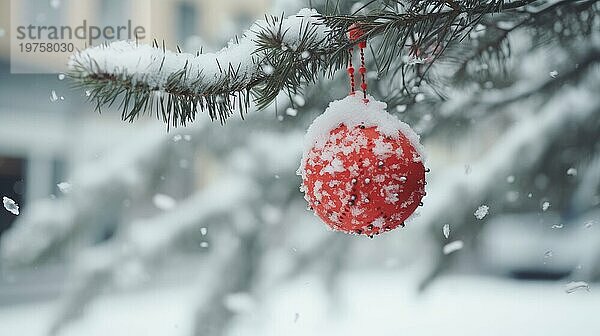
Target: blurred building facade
column 46, row 127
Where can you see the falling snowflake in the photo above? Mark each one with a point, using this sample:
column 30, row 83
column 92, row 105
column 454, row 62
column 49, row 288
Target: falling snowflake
column 292, row 112
column 468, row 169
column 164, row 202
column 574, row 286
column 554, row 74
column 446, row 230
column 481, row 212
column 10, row 205
column 299, row 100
column 64, row 187
column 572, row 172
column 545, row 205
column 453, row 247
column 401, row 108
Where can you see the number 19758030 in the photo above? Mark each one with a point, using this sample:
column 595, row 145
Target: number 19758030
column 34, row 47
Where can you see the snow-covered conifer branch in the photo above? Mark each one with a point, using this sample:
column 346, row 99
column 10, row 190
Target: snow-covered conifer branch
column 176, row 86
column 283, row 54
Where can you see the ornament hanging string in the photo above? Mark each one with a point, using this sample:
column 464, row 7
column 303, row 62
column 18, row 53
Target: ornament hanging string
column 355, row 33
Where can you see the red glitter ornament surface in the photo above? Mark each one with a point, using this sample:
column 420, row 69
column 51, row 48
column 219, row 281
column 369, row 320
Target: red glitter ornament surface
column 363, row 182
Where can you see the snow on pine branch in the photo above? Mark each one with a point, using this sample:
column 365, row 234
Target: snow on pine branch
column 177, row 85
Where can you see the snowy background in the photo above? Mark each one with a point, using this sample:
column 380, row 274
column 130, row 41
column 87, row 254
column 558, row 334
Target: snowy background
column 125, row 229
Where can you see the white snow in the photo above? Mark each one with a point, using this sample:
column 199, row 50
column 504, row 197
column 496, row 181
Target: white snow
column 545, row 205
column 239, row 302
column 481, row 212
column 153, row 66
column 572, row 172
column 64, row 187
column 299, row 100
column 379, row 222
column 401, row 108
column 383, row 149
column 352, row 112
column 574, row 286
column 317, row 190
column 335, row 166
column 292, row 112
column 53, row 96
column 453, row 247
column 385, row 303
column 164, row 202
column 390, row 192
column 301, row 307
column 10, row 205
column 155, row 312
column 446, row 230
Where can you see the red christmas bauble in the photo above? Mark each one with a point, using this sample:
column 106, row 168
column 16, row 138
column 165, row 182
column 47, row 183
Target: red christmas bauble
column 362, row 168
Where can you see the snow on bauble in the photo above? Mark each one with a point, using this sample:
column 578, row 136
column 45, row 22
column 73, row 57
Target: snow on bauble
column 363, row 169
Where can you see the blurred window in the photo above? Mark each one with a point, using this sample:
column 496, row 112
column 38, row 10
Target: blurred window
column 51, row 12
column 244, row 19
column 115, row 12
column 187, row 19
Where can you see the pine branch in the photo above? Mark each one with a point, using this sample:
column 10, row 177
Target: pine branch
column 285, row 54
column 493, row 50
column 527, row 140
column 426, row 27
column 412, row 40
column 175, row 86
